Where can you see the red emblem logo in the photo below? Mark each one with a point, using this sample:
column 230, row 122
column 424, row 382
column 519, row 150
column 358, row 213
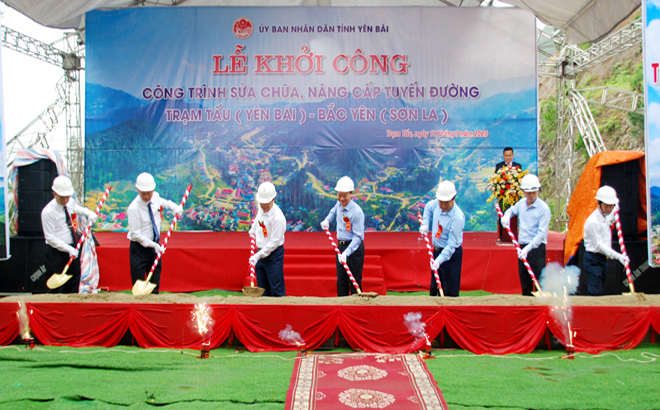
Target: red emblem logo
column 243, row 28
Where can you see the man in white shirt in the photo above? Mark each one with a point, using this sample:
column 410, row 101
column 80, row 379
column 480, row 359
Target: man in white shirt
column 62, row 230
column 598, row 240
column 144, row 229
column 269, row 227
column 447, row 221
column 350, row 236
column 533, row 223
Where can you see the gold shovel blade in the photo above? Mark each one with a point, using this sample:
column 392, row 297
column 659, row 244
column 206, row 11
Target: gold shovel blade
column 542, row 295
column 368, row 295
column 253, row 292
column 57, row 280
column 638, row 295
column 142, row 287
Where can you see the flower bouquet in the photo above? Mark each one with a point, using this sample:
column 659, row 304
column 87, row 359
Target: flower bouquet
column 505, row 186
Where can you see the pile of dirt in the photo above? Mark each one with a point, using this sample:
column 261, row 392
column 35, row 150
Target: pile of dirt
column 493, row 300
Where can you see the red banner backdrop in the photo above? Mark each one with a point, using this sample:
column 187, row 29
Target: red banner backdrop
column 380, row 329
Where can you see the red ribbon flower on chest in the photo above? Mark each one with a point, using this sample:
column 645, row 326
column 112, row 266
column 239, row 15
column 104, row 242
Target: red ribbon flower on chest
column 263, row 228
column 74, row 222
column 439, row 233
column 348, row 223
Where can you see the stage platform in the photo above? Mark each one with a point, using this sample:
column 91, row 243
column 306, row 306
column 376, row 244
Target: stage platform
column 395, row 261
column 497, row 324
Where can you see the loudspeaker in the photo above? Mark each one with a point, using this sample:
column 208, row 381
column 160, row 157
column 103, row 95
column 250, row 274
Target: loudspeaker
column 34, row 192
column 25, row 271
column 624, row 178
column 645, row 278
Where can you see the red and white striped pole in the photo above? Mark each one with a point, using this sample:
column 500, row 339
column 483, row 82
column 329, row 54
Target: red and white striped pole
column 622, row 245
column 430, row 251
column 515, row 242
column 253, row 248
column 348, row 271
column 98, row 209
column 169, row 233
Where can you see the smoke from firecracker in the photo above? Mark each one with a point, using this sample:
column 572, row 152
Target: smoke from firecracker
column 413, row 321
column 23, row 320
column 288, row 335
column 561, row 282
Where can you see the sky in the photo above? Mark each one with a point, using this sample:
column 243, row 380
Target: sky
column 29, row 83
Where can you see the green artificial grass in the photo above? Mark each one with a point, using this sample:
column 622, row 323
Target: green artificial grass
column 50, row 377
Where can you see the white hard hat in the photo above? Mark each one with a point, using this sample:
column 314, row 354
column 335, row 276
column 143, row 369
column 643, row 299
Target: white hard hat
column 607, row 195
column 266, row 193
column 145, row 182
column 446, row 191
column 345, row 184
column 62, row 186
column 530, row 183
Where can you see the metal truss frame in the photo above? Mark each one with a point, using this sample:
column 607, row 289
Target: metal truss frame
column 574, row 117
column 68, row 54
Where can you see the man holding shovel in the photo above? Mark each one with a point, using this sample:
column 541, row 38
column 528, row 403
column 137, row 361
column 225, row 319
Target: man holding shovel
column 350, row 235
column 144, row 228
column 448, row 222
column 268, row 228
column 533, row 222
column 60, row 222
column 598, row 240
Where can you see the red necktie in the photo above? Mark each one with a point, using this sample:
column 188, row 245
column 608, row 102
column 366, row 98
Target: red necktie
column 70, row 225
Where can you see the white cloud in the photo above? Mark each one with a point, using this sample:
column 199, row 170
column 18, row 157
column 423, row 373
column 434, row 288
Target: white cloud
column 653, row 148
column 653, row 3
column 653, row 112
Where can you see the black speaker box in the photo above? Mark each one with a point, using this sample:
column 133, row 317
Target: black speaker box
column 645, row 278
column 34, row 192
column 29, row 223
column 25, row 271
column 34, row 200
column 40, row 181
column 624, row 178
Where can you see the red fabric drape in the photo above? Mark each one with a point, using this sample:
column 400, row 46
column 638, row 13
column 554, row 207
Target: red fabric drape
column 599, row 328
column 496, row 329
column 8, row 323
column 79, row 324
column 382, row 329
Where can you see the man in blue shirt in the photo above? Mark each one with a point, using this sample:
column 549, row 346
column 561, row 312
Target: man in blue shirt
column 447, row 229
column 533, row 221
column 350, row 236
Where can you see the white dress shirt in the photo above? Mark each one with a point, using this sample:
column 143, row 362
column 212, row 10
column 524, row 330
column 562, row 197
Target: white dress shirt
column 269, row 228
column 533, row 221
column 598, row 235
column 53, row 221
column 139, row 221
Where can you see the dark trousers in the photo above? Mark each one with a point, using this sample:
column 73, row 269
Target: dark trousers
column 270, row 273
column 141, row 260
column 536, row 259
column 595, row 265
column 449, row 272
column 355, row 263
column 55, row 263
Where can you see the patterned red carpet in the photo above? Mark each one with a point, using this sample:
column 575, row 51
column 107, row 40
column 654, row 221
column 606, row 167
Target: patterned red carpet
column 362, row 381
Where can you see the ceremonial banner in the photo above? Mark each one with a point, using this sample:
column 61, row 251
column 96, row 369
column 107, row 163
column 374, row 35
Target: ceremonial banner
column 651, row 47
column 4, row 227
column 226, row 98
